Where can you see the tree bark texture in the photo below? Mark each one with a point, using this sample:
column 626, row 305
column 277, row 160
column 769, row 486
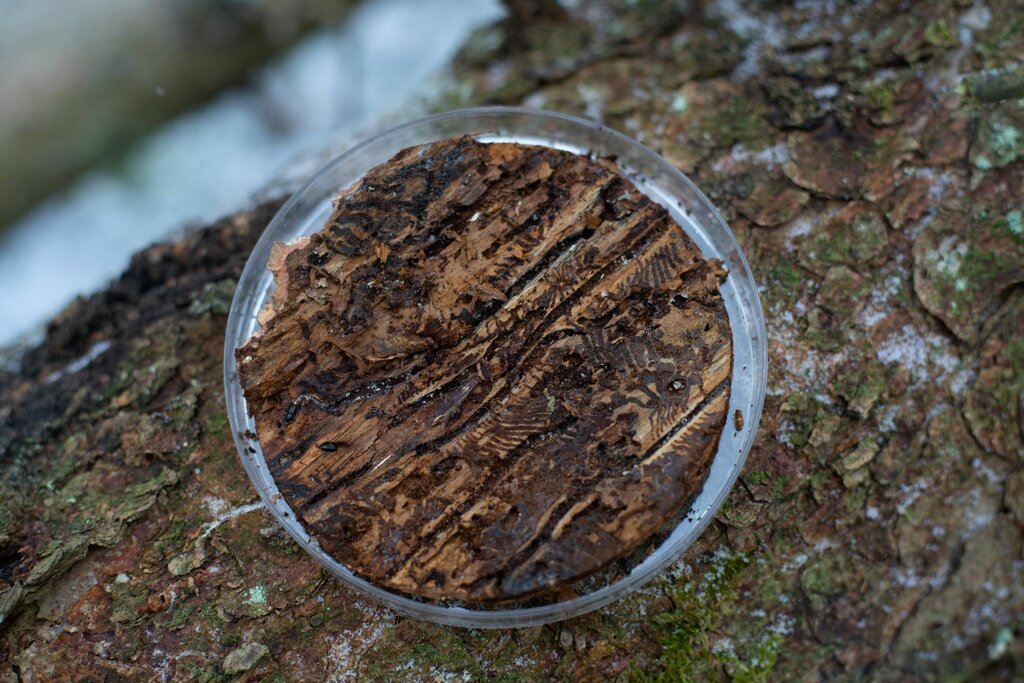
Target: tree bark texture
column 497, row 369
column 868, row 157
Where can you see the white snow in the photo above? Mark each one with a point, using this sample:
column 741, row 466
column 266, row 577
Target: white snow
column 81, row 363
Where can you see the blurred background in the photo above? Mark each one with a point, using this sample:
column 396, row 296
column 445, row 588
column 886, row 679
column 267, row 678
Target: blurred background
column 122, row 122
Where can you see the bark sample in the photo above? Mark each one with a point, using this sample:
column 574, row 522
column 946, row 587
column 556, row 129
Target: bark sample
column 495, row 370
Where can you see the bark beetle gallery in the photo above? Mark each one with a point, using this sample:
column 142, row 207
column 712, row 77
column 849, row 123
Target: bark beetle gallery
column 497, row 369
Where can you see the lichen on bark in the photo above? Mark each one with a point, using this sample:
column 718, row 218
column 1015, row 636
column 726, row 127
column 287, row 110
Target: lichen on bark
column 876, row 529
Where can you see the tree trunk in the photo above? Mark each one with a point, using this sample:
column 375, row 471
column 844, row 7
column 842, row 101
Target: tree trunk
column 869, row 160
column 72, row 98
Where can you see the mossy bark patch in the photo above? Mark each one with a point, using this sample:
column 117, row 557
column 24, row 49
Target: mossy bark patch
column 928, row 528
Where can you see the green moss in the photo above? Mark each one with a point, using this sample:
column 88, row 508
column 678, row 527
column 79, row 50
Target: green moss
column 182, row 408
column 138, row 497
column 758, row 667
column 216, row 424
column 880, row 95
column 203, row 673
column 127, row 603
column 685, row 652
column 740, row 122
column 705, row 55
column 857, row 242
column 804, row 410
column 757, row 477
column 1014, row 350
column 832, row 573
column 1001, row 40
column 779, row 486
column 738, row 516
column 861, row 386
column 24, row 450
column 180, row 615
column 819, row 479
column 940, row 34
column 787, row 275
column 172, row 540
column 768, row 588
column 856, row 499
column 793, row 104
column 215, row 298
column 448, row 653
column 980, row 264
column 784, row 280
column 824, row 335
column 208, row 613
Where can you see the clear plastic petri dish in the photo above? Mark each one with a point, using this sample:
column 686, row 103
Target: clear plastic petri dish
column 308, row 209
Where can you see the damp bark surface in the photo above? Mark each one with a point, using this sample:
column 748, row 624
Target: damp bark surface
column 496, row 369
column 873, row 178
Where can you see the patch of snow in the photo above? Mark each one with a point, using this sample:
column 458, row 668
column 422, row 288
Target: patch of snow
column 799, row 227
column 948, row 258
column 923, row 353
column 910, row 493
column 723, row 646
column 977, row 18
column 81, row 363
column 870, row 315
column 222, row 516
column 215, row 505
column 593, row 101
column 776, row 155
column 906, row 577
column 344, row 650
column 761, row 31
column 826, row 92
column 886, row 416
column 782, row 625
column 990, row 475
column 978, row 512
column 801, row 559
column 904, row 348
column 940, row 183
column 770, row 157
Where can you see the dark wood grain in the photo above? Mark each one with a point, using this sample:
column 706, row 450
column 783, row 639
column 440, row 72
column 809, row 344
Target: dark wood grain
column 496, row 369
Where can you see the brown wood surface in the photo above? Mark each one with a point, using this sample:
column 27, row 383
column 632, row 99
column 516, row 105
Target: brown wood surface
column 496, row 369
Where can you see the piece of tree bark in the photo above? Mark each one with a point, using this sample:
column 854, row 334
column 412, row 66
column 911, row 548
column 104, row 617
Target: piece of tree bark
column 876, row 530
column 495, row 370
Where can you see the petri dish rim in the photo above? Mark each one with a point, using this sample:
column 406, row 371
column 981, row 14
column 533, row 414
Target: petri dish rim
column 305, row 213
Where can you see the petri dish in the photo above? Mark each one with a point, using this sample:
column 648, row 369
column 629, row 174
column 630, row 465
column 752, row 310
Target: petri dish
column 307, row 210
